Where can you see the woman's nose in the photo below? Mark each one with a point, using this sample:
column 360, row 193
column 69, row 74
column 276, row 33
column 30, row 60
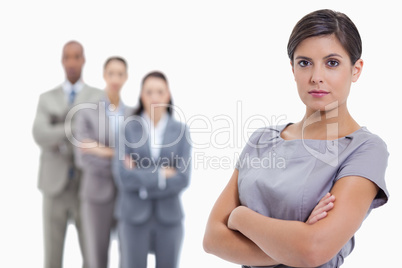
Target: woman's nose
column 318, row 75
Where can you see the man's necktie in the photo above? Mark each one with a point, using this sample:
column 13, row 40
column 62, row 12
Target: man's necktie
column 71, row 97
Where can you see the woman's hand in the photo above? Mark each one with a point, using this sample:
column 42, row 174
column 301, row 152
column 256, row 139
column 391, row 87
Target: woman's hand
column 128, row 163
column 169, row 172
column 321, row 210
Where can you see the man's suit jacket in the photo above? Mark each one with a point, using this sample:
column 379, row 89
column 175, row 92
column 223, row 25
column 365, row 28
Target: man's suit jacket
column 97, row 184
column 49, row 133
column 163, row 203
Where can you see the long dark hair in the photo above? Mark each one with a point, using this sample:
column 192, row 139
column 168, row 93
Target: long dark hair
column 327, row 22
column 156, row 74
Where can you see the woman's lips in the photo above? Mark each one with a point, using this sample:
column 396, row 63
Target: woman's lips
column 318, row 93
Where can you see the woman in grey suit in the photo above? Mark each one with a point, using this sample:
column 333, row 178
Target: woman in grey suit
column 151, row 170
column 95, row 129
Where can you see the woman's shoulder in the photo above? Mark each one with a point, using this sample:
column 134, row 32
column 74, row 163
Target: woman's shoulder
column 128, row 110
column 364, row 137
column 266, row 134
column 176, row 123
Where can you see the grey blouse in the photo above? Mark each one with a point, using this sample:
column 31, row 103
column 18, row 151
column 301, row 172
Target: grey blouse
column 285, row 179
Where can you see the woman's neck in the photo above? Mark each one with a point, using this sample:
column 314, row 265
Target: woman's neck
column 114, row 99
column 328, row 125
column 156, row 116
column 323, row 125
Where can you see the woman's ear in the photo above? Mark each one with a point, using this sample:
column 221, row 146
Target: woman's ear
column 293, row 68
column 357, row 70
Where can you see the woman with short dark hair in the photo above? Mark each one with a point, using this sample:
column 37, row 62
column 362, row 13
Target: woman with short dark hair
column 262, row 217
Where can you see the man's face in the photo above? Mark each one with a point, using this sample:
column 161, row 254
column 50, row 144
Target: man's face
column 73, row 60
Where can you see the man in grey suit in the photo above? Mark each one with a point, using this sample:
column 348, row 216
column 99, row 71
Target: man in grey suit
column 58, row 177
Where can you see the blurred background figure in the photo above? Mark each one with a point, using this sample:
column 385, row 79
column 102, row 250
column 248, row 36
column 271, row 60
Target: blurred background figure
column 151, row 171
column 96, row 130
column 59, row 178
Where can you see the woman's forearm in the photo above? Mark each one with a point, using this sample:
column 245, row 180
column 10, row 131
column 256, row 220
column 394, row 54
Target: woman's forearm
column 298, row 244
column 228, row 244
column 234, row 247
column 286, row 241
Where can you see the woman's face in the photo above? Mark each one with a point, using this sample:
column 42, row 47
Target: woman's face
column 323, row 73
column 115, row 75
column 155, row 95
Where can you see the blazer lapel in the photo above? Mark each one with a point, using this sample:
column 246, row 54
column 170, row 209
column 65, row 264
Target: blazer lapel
column 61, row 100
column 143, row 133
column 82, row 95
column 103, row 123
column 169, row 137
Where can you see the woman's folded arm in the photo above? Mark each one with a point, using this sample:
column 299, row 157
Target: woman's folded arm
column 298, row 244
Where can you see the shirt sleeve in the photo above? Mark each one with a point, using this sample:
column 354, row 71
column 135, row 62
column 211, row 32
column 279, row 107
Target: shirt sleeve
column 254, row 143
column 369, row 161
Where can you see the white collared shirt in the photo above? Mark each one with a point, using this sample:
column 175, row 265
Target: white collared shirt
column 67, row 87
column 155, row 142
column 113, row 113
column 155, row 133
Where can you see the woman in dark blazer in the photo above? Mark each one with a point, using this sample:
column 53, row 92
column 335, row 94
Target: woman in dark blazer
column 151, row 169
column 96, row 128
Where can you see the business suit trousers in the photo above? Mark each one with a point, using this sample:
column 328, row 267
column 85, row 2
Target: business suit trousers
column 136, row 241
column 97, row 223
column 57, row 212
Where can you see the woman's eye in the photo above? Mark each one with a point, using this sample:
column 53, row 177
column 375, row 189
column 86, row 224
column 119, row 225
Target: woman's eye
column 333, row 63
column 304, row 63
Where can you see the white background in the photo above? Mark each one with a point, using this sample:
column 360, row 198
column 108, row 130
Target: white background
column 214, row 53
